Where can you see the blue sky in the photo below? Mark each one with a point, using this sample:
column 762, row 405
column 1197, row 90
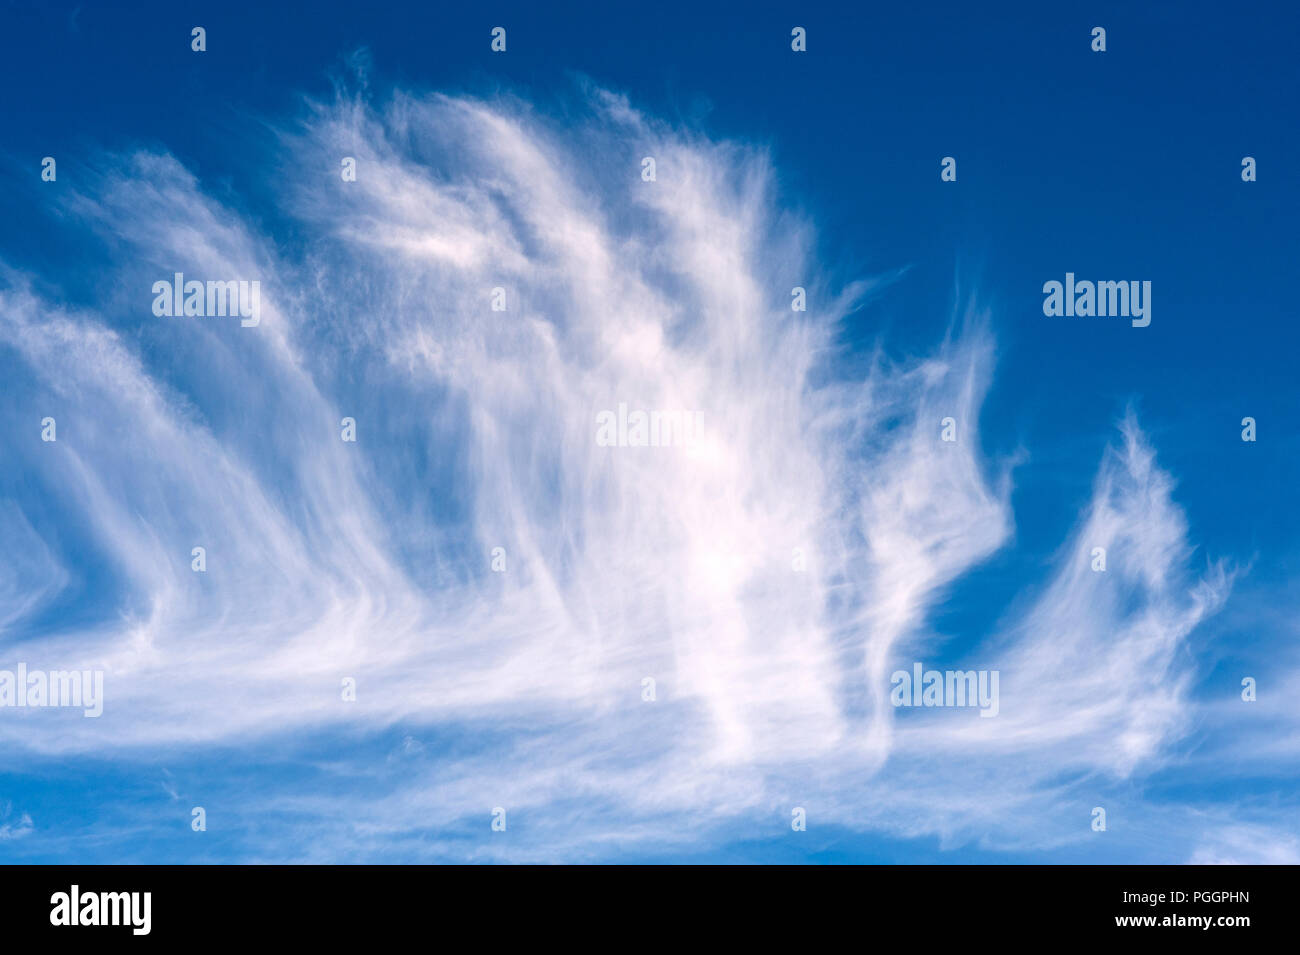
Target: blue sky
column 522, row 689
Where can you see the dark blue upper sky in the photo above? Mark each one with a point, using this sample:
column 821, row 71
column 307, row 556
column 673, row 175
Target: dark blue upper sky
column 1117, row 165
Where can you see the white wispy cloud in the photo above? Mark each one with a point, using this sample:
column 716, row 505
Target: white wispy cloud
column 476, row 430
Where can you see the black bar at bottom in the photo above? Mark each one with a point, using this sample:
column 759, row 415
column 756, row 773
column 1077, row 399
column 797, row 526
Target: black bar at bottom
column 334, row 904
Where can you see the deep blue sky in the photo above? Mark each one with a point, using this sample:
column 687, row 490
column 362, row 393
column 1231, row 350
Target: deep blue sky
column 1119, row 165
column 1122, row 164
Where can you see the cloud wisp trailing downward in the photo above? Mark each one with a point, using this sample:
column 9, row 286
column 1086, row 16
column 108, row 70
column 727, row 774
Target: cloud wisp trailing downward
column 768, row 575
